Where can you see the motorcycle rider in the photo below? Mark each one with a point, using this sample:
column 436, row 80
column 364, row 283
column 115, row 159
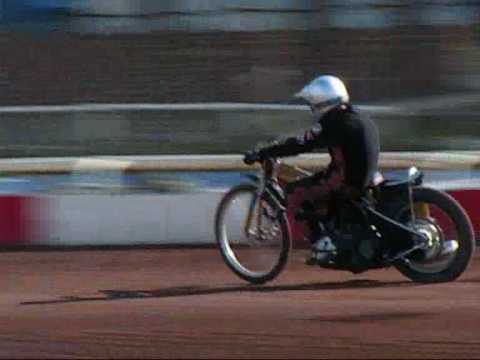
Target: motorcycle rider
column 352, row 141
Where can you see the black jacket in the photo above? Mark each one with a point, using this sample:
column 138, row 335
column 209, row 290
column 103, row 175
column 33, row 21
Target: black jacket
column 352, row 141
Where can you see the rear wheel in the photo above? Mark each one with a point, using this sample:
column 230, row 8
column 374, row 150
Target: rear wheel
column 256, row 249
column 449, row 230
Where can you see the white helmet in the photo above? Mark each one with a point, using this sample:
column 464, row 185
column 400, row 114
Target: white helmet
column 323, row 94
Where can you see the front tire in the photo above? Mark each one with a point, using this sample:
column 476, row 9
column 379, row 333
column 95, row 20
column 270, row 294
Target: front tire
column 450, row 268
column 239, row 249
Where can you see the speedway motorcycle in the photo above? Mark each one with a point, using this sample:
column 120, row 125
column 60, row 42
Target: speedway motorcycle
column 422, row 232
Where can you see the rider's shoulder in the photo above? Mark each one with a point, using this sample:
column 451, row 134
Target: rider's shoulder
column 349, row 108
column 350, row 111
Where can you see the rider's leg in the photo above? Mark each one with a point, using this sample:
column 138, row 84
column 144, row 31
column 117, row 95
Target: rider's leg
column 315, row 192
column 301, row 206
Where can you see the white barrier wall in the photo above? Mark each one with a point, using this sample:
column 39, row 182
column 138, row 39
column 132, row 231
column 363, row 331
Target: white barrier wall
column 134, row 219
column 144, row 219
column 28, row 216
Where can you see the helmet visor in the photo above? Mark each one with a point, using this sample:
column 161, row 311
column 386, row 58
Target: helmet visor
column 324, row 104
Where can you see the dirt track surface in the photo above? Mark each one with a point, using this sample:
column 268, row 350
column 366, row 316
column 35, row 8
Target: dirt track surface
column 187, row 304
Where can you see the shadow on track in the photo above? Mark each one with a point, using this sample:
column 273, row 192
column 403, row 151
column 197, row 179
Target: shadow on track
column 110, row 295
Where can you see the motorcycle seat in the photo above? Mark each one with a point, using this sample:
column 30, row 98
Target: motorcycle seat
column 381, row 182
column 393, row 184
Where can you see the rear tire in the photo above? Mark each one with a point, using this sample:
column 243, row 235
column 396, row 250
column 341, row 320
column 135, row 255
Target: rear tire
column 464, row 230
column 225, row 245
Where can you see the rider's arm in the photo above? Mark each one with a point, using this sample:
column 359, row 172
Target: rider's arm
column 312, row 138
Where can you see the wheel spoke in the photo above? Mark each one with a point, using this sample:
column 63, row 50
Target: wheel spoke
column 255, row 253
column 448, row 229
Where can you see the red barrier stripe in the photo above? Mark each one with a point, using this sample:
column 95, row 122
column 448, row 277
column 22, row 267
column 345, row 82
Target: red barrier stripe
column 470, row 201
column 14, row 217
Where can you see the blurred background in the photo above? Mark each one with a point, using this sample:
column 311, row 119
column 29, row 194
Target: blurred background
column 413, row 64
column 82, row 79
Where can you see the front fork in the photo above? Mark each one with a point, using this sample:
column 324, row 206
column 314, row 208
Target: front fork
column 255, row 204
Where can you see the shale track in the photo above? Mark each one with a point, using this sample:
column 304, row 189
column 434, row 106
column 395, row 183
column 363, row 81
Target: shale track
column 185, row 303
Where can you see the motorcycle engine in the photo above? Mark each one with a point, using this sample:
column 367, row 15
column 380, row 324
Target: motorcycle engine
column 357, row 247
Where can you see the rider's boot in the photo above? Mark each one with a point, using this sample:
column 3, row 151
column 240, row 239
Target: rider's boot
column 322, row 251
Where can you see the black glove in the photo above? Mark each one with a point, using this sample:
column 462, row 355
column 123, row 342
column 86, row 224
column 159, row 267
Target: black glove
column 251, row 157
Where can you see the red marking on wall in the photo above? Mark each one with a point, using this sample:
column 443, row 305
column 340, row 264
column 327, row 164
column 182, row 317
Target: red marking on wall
column 470, row 201
column 13, row 220
column 19, row 220
column 299, row 230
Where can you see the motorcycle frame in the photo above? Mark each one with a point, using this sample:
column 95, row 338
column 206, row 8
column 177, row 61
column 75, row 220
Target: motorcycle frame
column 268, row 186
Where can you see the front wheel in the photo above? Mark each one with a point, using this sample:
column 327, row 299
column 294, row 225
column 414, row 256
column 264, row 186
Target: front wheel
column 449, row 230
column 252, row 234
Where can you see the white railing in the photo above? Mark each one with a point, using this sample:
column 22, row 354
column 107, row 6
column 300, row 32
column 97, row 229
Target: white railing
column 25, row 109
column 428, row 160
column 466, row 160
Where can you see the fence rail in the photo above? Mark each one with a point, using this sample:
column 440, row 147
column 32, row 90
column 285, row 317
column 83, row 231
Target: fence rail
column 464, row 160
column 222, row 106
